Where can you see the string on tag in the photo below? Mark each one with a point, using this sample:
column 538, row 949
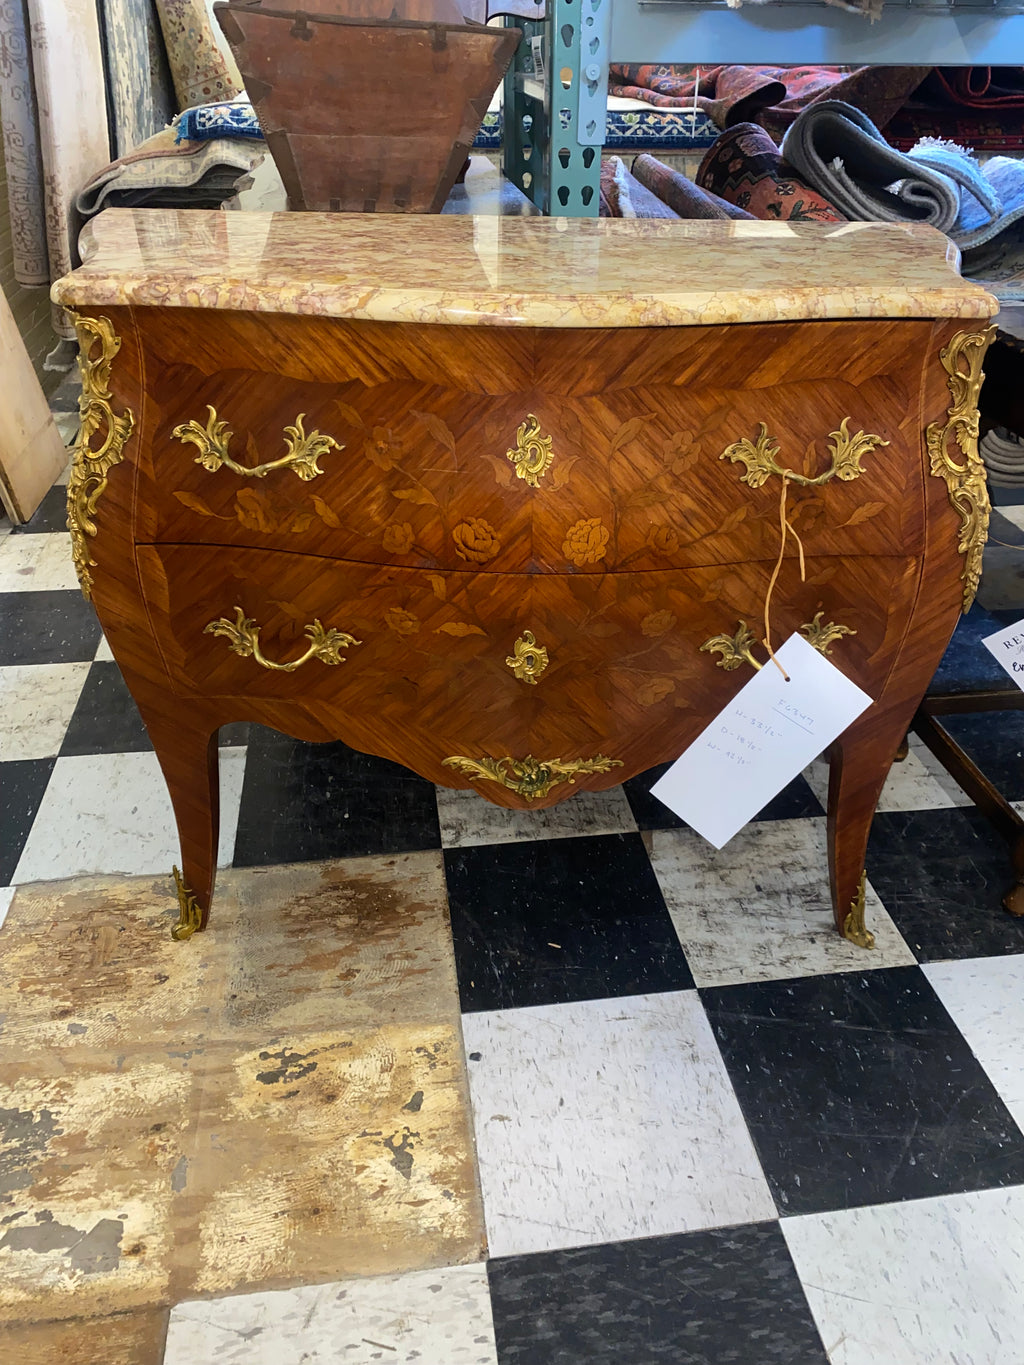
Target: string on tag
column 784, row 530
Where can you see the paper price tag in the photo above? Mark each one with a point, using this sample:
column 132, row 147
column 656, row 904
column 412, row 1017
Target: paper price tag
column 767, row 734
column 1007, row 647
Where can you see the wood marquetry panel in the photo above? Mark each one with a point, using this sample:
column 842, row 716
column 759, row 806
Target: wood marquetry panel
column 635, row 480
column 430, row 677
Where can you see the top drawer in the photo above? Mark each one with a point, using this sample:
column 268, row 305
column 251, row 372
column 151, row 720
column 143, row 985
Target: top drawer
column 549, row 477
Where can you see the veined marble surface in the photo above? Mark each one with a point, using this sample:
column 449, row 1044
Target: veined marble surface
column 517, row 272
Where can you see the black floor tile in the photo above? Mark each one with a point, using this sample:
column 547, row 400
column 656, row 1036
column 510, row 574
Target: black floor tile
column 726, row 1297
column 792, row 803
column 859, row 1089
column 50, row 515
column 302, row 802
column 107, row 721
column 555, row 920
column 58, row 627
column 941, row 874
column 22, row 785
column 996, row 743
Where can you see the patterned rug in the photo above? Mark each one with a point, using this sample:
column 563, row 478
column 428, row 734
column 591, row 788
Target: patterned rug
column 745, row 167
column 681, row 195
column 280, row 1100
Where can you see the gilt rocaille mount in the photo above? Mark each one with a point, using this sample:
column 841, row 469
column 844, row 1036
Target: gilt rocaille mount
column 506, row 541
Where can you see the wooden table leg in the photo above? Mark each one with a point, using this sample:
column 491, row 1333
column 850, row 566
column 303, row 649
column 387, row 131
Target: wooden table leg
column 186, row 749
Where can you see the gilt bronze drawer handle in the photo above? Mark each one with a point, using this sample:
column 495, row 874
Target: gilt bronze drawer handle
column 243, row 637
column 301, row 451
column 532, row 454
column 528, row 659
column 739, row 648
column 846, row 453
column 530, row 777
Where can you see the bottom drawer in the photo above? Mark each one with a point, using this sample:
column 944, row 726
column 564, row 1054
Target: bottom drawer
column 424, row 666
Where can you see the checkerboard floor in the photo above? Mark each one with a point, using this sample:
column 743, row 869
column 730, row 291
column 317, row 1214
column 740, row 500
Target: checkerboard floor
column 708, row 1129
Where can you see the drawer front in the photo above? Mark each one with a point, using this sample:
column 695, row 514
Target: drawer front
column 430, row 665
column 427, row 476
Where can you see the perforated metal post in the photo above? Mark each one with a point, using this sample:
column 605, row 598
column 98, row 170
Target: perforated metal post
column 555, row 98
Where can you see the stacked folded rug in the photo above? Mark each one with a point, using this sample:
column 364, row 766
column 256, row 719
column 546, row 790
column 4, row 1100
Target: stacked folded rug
column 1003, row 453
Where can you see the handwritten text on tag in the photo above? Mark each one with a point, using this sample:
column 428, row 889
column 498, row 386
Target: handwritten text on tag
column 767, row 734
column 1007, row 646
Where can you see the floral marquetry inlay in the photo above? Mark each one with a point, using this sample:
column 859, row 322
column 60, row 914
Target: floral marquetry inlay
column 586, row 541
column 476, row 540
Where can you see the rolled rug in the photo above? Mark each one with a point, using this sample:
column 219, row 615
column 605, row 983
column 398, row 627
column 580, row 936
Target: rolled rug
column 625, row 197
column 745, row 168
column 683, row 198
column 839, row 151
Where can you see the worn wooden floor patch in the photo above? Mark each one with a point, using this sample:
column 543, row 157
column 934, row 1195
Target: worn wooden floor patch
column 280, row 1100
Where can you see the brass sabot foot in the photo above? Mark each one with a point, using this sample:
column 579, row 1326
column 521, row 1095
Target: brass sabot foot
column 853, row 924
column 190, row 916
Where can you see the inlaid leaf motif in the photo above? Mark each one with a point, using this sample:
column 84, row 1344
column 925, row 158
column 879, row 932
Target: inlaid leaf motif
column 326, row 513
column 733, row 520
column 459, row 628
column 438, row 584
column 421, row 496
column 194, row 504
column 864, row 512
column 824, row 576
column 348, row 414
column 438, row 428
column 648, row 496
column 503, row 471
column 602, row 629
column 685, row 462
column 563, row 469
column 627, row 432
column 251, row 513
column 297, row 522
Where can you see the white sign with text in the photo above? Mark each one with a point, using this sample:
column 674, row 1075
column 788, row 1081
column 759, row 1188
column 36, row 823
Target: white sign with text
column 764, row 738
column 1007, row 647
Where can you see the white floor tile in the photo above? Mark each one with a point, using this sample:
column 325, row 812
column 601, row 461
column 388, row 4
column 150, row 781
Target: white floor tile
column 37, row 563
column 466, row 820
column 111, row 813
column 985, row 996
column 67, row 423
column 607, row 1119
column 930, row 1282
column 430, row 1317
column 1013, row 512
column 103, row 652
column 759, row 909
column 36, row 704
column 6, row 896
column 920, row 782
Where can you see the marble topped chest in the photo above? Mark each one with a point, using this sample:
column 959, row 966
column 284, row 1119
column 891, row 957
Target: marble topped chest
column 499, row 499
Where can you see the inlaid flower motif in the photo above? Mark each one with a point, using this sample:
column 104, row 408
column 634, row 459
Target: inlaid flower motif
column 657, row 623
column 663, row 539
column 398, row 538
column 402, row 622
column 382, row 448
column 476, row 540
column 585, row 541
column 653, row 690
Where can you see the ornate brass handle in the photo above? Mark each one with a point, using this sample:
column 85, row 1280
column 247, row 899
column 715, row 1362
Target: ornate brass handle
column 243, row 635
column 530, row 777
column 738, row 649
column 301, row 451
column 846, row 453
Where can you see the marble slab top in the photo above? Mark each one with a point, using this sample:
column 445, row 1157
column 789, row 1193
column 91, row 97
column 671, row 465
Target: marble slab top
column 519, row 272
